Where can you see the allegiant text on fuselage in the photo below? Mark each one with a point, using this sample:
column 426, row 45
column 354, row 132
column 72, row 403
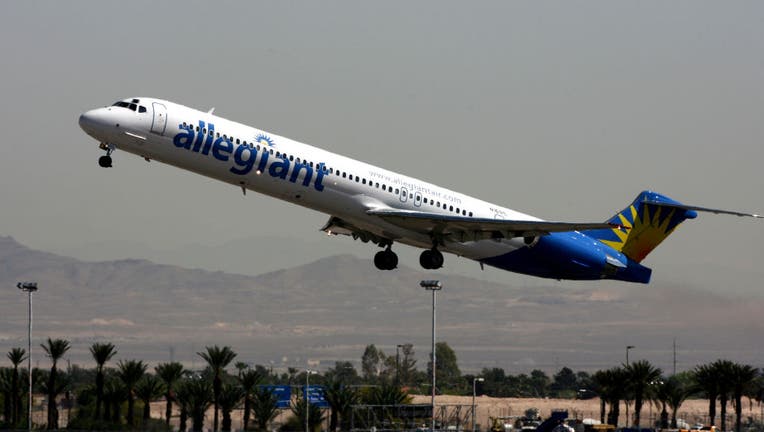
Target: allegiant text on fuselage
column 246, row 157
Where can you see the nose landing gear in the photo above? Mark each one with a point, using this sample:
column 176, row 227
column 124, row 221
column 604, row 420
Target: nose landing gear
column 105, row 161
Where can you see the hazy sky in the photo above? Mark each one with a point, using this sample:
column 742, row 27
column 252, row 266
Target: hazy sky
column 565, row 110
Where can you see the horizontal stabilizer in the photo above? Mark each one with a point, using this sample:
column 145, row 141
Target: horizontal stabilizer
column 703, row 209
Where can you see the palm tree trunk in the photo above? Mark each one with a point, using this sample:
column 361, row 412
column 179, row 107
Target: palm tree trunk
column 216, row 387
column 168, row 408
column 712, row 409
column 183, row 420
column 99, row 394
column 723, row 403
column 602, row 410
column 146, row 410
column 637, row 410
column 247, row 410
column 738, row 411
column 52, row 411
column 130, row 408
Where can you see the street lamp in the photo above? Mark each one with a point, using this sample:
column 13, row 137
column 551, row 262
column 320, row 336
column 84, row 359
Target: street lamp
column 628, row 347
column 474, row 380
column 29, row 287
column 308, row 373
column 434, row 286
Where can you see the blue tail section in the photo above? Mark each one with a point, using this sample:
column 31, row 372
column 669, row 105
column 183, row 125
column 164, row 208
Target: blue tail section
column 646, row 223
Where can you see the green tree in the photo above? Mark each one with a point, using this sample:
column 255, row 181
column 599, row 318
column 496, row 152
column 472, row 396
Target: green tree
column 195, row 397
column 249, row 379
column 314, row 412
column 130, row 372
column 741, row 378
column 16, row 356
column 407, row 365
column 539, row 383
column 217, row 359
column 371, row 363
column 679, row 389
column 340, row 398
column 707, row 381
column 723, row 370
column 149, row 388
column 640, row 376
column 230, row 396
column 564, row 383
column 448, row 375
column 6, row 379
column 264, row 407
column 610, row 386
column 55, row 350
column 170, row 374
column 101, row 352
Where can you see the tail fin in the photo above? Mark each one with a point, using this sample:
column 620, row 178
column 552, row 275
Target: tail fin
column 647, row 222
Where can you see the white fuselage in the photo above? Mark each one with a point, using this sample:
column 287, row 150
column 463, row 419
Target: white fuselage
column 273, row 165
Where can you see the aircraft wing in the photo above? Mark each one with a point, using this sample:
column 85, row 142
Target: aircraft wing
column 460, row 228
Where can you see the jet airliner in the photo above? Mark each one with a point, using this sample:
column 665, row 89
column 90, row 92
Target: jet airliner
column 375, row 205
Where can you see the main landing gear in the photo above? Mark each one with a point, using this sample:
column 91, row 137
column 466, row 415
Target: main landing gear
column 386, row 259
column 431, row 259
column 105, row 161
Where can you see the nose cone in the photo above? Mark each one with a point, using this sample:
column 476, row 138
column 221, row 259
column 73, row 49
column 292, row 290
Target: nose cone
column 89, row 121
column 96, row 123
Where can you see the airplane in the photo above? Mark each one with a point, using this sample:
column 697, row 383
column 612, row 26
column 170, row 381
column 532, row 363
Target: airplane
column 376, row 205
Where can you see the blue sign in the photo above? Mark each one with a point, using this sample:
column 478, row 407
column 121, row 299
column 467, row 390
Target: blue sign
column 316, row 396
column 282, row 393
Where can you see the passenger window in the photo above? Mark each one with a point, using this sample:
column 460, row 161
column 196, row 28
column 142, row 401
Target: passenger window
column 237, row 141
column 397, row 191
column 197, row 128
column 451, row 208
column 470, row 214
column 364, row 181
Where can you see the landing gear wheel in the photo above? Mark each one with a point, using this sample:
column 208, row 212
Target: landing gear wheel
column 431, row 259
column 104, row 161
column 386, row 260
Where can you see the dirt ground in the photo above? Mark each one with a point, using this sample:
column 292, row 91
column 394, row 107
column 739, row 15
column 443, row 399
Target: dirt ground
column 692, row 411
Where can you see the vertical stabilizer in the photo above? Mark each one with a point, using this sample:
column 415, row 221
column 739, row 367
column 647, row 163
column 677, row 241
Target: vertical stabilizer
column 647, row 222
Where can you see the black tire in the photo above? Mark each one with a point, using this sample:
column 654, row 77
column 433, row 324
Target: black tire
column 104, row 161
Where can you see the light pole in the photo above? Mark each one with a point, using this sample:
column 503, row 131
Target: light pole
column 29, row 287
column 474, row 380
column 398, row 365
column 628, row 347
column 308, row 372
column 434, row 286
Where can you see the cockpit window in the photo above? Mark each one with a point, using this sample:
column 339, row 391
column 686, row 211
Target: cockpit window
column 131, row 106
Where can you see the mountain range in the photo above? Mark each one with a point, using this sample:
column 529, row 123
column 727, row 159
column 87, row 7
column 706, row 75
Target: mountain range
column 330, row 309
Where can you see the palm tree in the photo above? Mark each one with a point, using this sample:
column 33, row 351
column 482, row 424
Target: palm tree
column 170, row 374
column 217, row 358
column 723, row 371
column 230, row 396
column 61, row 385
column 264, row 407
column 707, row 381
column 194, row 397
column 340, row 398
column 101, row 352
column 640, row 377
column 16, row 356
column 6, row 379
column 612, row 390
column 148, row 389
column 130, row 372
column 741, row 377
column 314, row 412
column 248, row 379
column 54, row 349
column 678, row 392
